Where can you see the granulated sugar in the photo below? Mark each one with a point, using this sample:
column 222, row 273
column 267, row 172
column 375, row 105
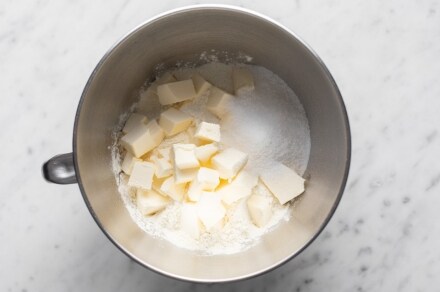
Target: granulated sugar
column 268, row 123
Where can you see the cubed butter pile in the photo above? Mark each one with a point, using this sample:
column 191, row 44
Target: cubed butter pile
column 202, row 175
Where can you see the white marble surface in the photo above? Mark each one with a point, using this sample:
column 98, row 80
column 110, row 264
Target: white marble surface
column 385, row 235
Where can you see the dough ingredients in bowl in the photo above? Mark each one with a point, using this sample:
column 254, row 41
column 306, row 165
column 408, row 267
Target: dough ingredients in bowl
column 211, row 157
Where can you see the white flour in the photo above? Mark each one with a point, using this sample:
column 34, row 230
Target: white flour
column 267, row 123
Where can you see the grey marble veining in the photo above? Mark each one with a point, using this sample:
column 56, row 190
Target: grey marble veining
column 386, row 232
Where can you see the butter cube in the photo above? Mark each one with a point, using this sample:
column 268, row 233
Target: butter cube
column 149, row 202
column 283, row 182
column 210, row 210
column 149, row 103
column 242, row 79
column 233, row 192
column 205, row 152
column 259, row 209
column 178, row 91
column 173, row 121
column 218, row 101
column 184, row 156
column 128, row 163
column 200, row 84
column 133, row 121
column 208, row 132
column 142, row 175
column 157, row 183
column 229, row 162
column 206, row 180
column 184, row 175
column 246, row 179
column 189, row 220
column 194, row 191
column 165, row 153
column 163, row 167
column 165, row 78
column 173, row 190
column 143, row 139
column 239, row 188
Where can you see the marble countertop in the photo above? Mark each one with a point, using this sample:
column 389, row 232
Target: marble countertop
column 385, row 235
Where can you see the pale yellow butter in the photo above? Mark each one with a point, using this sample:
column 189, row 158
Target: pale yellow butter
column 184, row 175
column 208, row 132
column 128, row 163
column 174, row 92
column 284, row 183
column 206, row 180
column 260, row 209
column 218, row 102
column 189, row 220
column 173, row 190
column 205, row 152
column 143, row 138
column 148, row 102
column 150, row 202
column 239, row 188
column 165, row 153
column 200, row 84
column 229, row 162
column 210, row 209
column 133, row 121
column 173, row 121
column 184, row 156
column 142, row 175
column 163, row 167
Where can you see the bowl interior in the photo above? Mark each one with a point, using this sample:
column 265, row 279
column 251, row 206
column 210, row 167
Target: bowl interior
column 181, row 35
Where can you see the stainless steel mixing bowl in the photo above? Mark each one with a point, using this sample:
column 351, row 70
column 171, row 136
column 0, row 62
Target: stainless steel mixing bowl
column 180, row 35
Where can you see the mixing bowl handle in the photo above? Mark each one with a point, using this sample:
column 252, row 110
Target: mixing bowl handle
column 60, row 169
